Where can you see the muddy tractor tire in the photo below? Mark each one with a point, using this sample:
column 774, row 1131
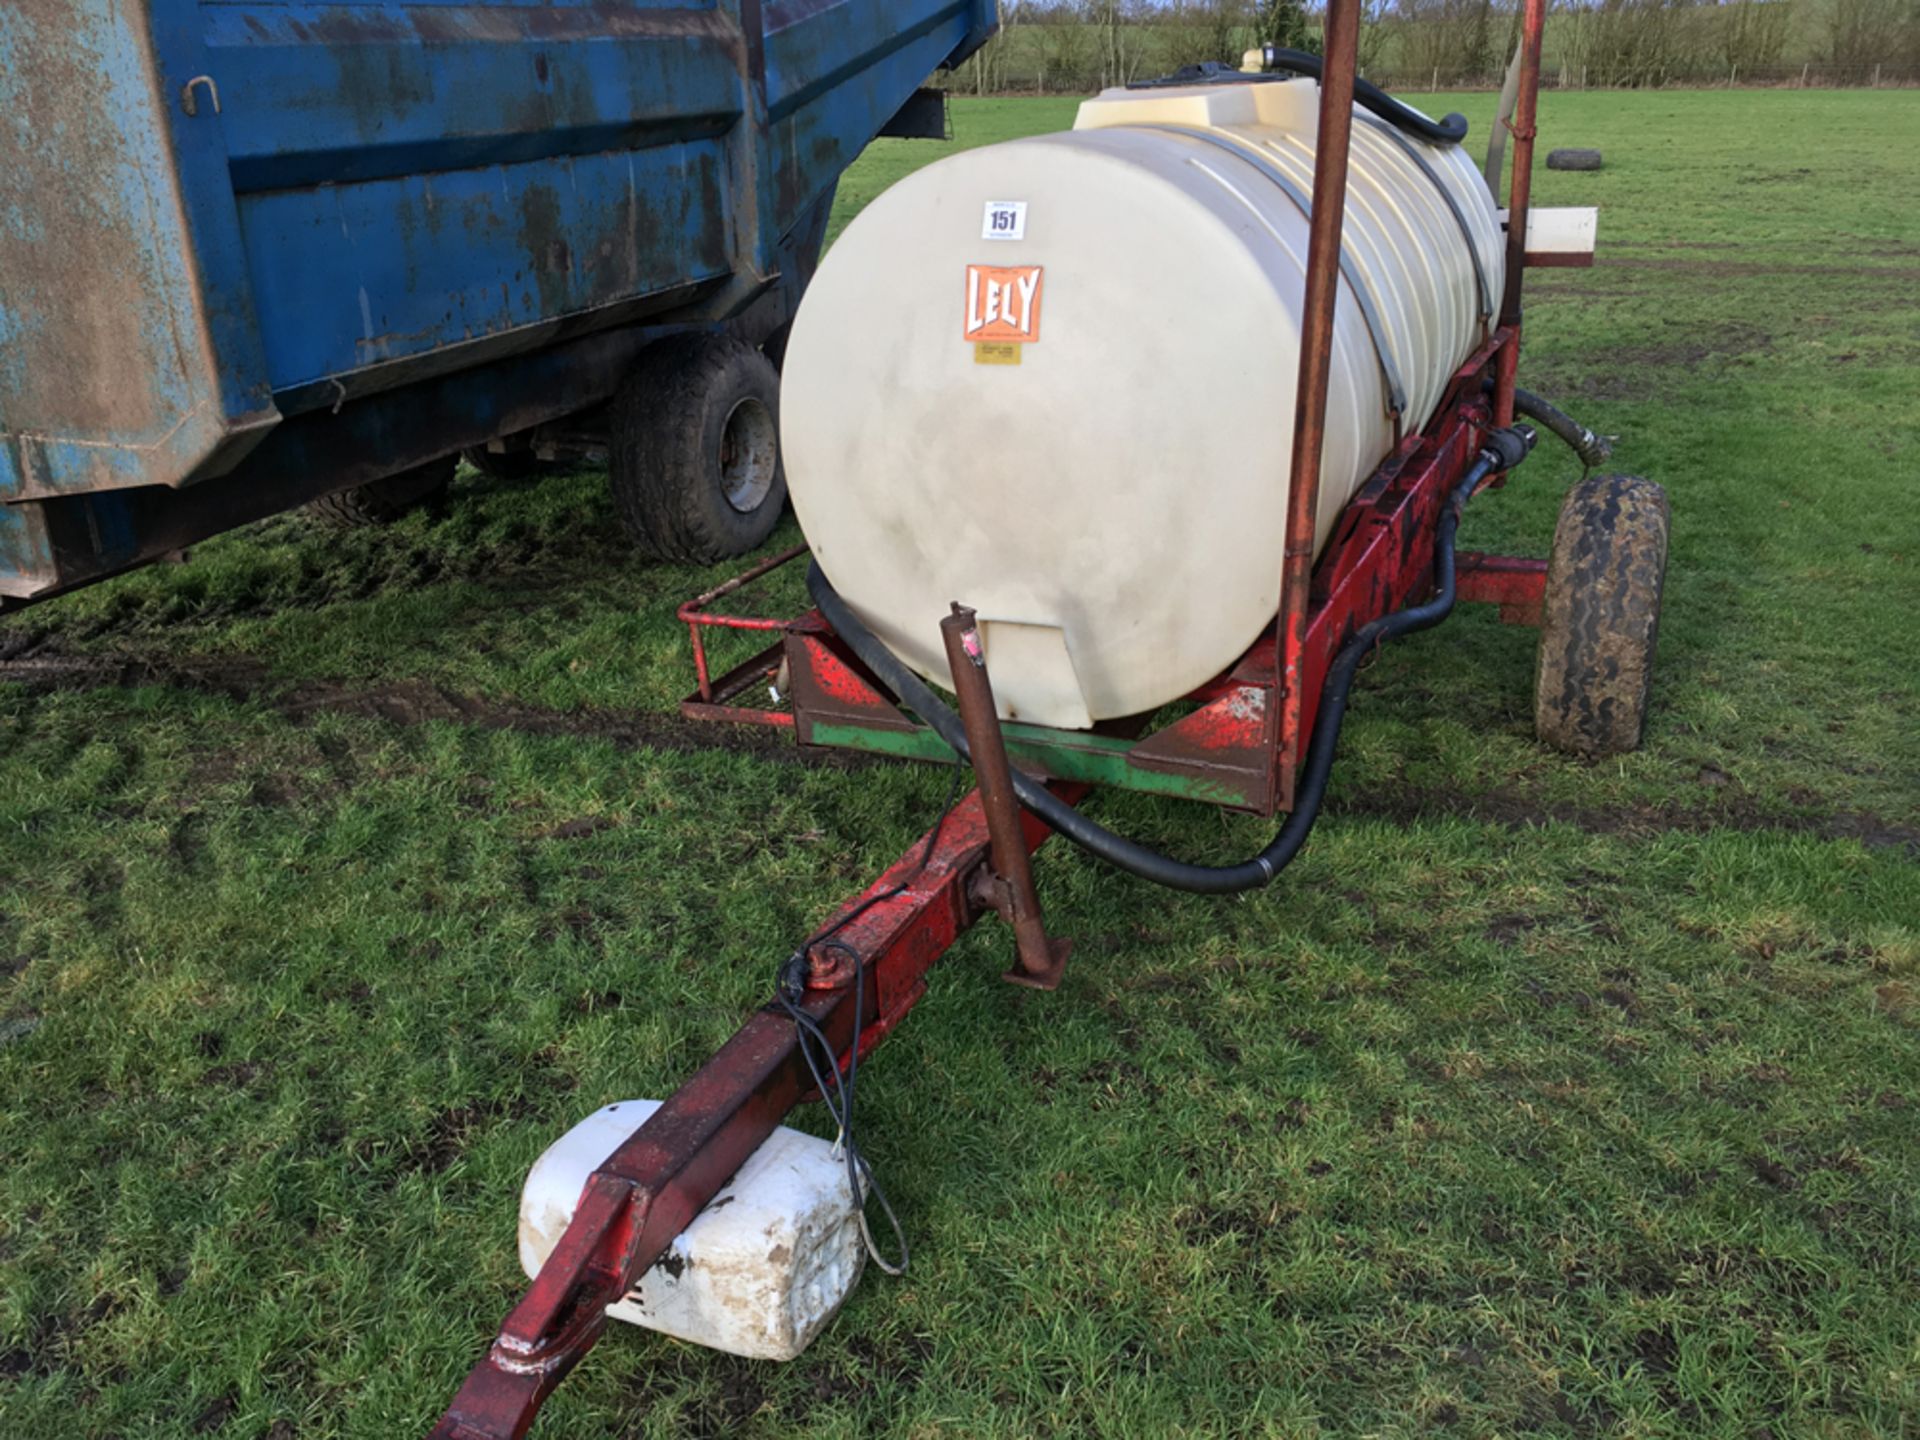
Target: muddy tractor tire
column 695, row 456
column 381, row 502
column 1601, row 619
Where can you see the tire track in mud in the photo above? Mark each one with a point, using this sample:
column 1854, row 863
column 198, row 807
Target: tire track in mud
column 412, row 702
column 418, row 702
column 1515, row 810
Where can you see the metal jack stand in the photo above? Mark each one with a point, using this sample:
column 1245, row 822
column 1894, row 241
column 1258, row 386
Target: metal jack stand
column 1006, row 882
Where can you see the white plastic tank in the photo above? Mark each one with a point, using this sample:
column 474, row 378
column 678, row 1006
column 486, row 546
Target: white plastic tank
column 759, row 1272
column 1054, row 379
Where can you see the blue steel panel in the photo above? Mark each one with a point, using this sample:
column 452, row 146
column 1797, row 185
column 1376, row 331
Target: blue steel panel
column 346, row 276
column 320, row 94
column 832, row 68
column 379, row 183
column 111, row 369
column 414, row 177
column 26, row 552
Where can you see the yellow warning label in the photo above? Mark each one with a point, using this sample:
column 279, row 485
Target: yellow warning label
column 996, row 352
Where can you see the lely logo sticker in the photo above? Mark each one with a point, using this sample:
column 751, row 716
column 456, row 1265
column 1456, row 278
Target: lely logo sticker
column 1003, row 304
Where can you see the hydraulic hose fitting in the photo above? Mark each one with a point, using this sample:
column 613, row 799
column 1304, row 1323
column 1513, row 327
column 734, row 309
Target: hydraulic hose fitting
column 1507, row 447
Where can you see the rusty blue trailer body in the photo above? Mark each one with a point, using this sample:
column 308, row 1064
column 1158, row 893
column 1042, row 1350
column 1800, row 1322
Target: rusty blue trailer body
column 255, row 251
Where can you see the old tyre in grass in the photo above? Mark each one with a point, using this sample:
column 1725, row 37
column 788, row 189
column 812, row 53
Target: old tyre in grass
column 1602, row 616
column 1573, row 159
column 381, row 502
column 695, row 459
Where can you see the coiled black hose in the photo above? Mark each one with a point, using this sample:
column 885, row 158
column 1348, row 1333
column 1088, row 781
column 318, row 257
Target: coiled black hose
column 1505, row 449
column 1450, row 131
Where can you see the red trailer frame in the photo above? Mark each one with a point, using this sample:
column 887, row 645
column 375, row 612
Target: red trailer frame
column 1239, row 745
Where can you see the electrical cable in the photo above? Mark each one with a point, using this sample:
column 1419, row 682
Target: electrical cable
column 1504, row 449
column 838, row 1096
column 790, row 988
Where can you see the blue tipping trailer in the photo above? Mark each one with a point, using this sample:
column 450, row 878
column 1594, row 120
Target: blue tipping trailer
column 254, row 253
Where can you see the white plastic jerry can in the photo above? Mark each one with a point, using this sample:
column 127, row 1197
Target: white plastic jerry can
column 758, row 1273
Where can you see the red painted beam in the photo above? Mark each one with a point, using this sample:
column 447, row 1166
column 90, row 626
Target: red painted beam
column 652, row 1187
column 1516, row 583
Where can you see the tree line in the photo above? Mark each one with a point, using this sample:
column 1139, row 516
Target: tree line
column 1077, row 46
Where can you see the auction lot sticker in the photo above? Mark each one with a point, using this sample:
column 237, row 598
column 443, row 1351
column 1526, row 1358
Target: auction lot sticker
column 1004, row 220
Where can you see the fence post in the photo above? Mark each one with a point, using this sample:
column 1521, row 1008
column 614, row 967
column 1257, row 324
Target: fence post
column 1876, row 74
column 1803, row 74
column 1733, row 77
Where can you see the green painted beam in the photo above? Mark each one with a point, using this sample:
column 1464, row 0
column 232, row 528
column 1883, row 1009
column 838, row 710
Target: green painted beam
column 1094, row 759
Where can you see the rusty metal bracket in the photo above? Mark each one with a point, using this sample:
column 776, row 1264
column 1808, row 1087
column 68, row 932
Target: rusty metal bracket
column 1007, row 887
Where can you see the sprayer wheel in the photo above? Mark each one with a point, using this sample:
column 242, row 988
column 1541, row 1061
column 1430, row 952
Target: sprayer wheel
column 1602, row 616
column 381, row 502
column 695, row 460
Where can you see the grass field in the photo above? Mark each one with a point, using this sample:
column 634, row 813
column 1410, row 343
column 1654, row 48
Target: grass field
column 341, row 875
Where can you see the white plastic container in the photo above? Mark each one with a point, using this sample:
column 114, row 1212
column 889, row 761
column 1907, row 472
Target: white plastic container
column 1054, row 379
column 758, row 1273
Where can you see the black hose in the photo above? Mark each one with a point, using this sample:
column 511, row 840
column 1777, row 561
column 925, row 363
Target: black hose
column 1591, row 448
column 1450, row 131
column 1505, row 449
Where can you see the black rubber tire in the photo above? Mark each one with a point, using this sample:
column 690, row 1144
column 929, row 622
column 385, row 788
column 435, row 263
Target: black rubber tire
column 381, row 502
column 677, row 447
column 1601, row 620
column 1573, row 159
column 774, row 347
column 507, row 465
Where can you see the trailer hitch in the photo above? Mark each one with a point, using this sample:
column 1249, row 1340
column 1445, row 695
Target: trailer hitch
column 663, row 1175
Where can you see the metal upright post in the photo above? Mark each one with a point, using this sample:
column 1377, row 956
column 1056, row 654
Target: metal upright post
column 1008, row 882
column 1533, row 22
column 1316, row 357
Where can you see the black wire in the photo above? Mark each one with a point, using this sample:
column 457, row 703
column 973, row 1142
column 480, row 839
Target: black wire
column 791, row 986
column 839, row 1097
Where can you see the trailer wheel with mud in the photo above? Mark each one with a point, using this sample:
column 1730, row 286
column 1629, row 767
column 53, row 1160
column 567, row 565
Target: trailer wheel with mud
column 1601, row 618
column 695, row 456
column 381, row 502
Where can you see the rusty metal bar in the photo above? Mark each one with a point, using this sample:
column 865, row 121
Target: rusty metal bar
column 1517, row 584
column 1342, row 36
column 693, row 616
column 714, row 700
column 1040, row 960
column 1524, row 125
